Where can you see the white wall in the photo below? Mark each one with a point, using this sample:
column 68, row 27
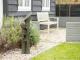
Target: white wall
column 1, row 12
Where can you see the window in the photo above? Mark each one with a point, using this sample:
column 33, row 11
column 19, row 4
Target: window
column 24, row 5
column 45, row 5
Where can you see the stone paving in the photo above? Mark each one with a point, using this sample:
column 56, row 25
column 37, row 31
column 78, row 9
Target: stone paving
column 55, row 37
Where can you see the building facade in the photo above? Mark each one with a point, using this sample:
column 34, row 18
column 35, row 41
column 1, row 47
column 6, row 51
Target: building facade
column 19, row 8
column 66, row 10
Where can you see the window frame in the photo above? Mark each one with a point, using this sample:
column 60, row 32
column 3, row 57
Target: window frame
column 24, row 8
column 44, row 5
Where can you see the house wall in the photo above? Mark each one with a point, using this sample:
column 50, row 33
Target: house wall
column 37, row 7
column 63, row 20
column 12, row 8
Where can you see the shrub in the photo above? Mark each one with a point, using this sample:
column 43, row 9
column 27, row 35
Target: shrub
column 11, row 32
column 34, row 34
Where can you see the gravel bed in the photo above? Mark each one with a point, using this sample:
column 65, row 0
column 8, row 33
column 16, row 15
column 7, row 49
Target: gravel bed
column 41, row 47
column 16, row 53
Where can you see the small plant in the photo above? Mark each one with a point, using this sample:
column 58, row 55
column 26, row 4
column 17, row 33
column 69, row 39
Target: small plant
column 34, row 34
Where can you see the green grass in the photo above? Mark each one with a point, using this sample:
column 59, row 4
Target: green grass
column 64, row 51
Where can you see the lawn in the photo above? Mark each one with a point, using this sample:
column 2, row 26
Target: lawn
column 64, row 51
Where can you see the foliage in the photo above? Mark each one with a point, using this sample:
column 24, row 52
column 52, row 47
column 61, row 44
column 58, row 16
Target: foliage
column 34, row 34
column 11, row 30
column 11, row 33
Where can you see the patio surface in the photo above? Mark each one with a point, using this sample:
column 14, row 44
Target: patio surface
column 47, row 41
column 54, row 35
